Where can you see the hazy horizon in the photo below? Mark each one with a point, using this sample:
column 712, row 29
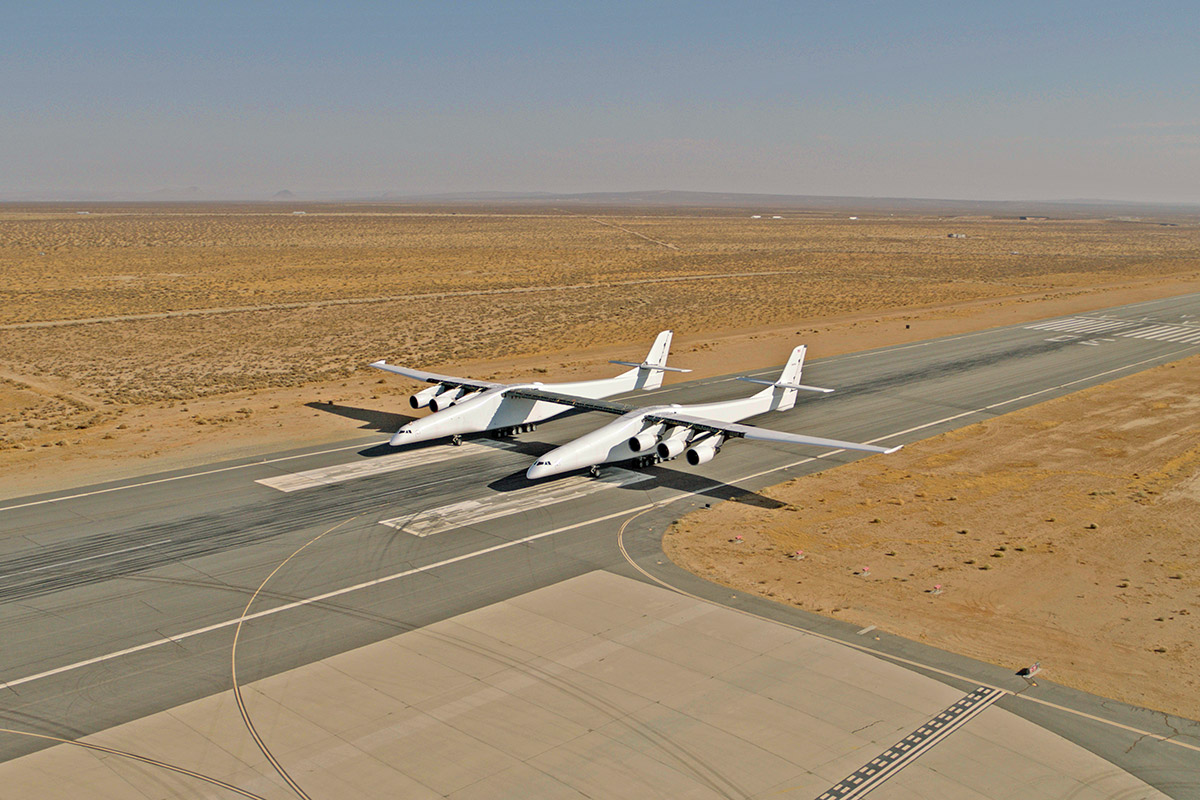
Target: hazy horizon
column 1024, row 102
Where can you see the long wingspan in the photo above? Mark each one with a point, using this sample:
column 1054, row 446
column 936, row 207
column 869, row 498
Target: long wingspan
column 433, row 377
column 569, row 400
column 732, row 430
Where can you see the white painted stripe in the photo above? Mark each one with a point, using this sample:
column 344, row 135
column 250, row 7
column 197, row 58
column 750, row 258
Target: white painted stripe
column 339, row 473
column 1056, row 325
column 428, row 522
column 1089, row 325
column 1146, row 332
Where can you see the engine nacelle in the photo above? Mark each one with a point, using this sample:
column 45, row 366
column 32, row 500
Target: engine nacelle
column 704, row 452
column 673, row 443
column 422, row 398
column 644, row 441
column 446, row 399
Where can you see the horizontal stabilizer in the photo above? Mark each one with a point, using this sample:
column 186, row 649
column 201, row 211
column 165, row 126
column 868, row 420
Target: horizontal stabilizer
column 799, row 386
column 644, row 365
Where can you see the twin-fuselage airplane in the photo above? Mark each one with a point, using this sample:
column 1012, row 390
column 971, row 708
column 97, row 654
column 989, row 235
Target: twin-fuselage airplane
column 643, row 436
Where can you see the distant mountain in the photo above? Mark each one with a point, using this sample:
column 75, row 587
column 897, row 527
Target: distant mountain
column 283, row 194
column 665, row 198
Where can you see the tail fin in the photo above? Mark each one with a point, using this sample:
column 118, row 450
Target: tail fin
column 790, row 377
column 657, row 357
column 650, row 372
column 783, row 390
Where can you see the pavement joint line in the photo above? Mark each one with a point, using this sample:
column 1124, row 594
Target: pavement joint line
column 534, row 537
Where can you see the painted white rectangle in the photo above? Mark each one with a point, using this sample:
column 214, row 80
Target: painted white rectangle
column 1147, row 333
column 436, row 520
column 1056, row 325
column 339, row 473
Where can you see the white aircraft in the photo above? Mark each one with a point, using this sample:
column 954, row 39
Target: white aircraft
column 461, row 405
column 660, row 433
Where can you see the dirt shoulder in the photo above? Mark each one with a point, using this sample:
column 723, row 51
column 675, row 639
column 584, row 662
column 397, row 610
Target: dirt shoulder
column 1065, row 533
column 97, row 442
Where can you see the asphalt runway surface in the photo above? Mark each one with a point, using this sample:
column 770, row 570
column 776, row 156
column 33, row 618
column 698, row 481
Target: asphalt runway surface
column 121, row 600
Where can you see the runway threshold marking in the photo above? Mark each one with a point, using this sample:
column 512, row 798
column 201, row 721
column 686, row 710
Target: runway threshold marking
column 630, row 512
column 911, row 747
column 437, row 520
column 1135, row 329
column 339, row 473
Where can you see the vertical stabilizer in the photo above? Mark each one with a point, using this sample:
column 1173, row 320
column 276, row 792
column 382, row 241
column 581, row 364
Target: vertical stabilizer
column 657, row 357
column 785, row 395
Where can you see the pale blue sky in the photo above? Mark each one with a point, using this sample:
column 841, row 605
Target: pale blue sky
column 953, row 100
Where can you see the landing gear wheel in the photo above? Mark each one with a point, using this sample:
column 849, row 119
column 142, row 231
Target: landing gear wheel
column 456, row 440
column 594, row 471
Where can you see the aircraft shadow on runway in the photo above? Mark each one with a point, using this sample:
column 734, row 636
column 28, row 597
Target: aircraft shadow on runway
column 663, row 477
column 382, row 421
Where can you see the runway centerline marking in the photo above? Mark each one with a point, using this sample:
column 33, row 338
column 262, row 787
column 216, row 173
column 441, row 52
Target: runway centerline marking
column 339, row 473
column 428, row 522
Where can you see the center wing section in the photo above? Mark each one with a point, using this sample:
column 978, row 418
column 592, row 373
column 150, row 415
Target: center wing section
column 731, row 430
column 586, row 403
column 448, row 381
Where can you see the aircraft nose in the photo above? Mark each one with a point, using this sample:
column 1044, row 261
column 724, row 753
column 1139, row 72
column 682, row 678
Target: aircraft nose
column 402, row 436
column 541, row 469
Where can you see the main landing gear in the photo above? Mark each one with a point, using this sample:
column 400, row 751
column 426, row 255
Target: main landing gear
column 504, row 433
column 641, row 462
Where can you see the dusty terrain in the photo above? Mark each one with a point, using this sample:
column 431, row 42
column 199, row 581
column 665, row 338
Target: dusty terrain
column 1065, row 533
column 134, row 338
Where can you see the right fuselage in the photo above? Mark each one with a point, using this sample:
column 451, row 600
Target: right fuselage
column 613, row 441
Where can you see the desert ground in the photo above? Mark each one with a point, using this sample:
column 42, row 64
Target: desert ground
column 1064, row 534
column 135, row 339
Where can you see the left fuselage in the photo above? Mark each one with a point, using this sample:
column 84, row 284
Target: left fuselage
column 492, row 410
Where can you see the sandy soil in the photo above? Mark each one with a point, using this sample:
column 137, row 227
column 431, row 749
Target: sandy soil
column 1065, row 533
column 100, row 442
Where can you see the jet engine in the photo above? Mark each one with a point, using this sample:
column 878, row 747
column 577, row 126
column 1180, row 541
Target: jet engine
column 704, row 451
column 644, row 440
column 673, row 443
column 422, row 398
column 445, row 399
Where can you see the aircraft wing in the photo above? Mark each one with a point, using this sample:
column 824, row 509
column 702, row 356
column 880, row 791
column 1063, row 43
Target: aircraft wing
column 433, row 377
column 587, row 403
column 731, row 430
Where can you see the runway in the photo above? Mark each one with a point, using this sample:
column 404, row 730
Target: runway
column 118, row 601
